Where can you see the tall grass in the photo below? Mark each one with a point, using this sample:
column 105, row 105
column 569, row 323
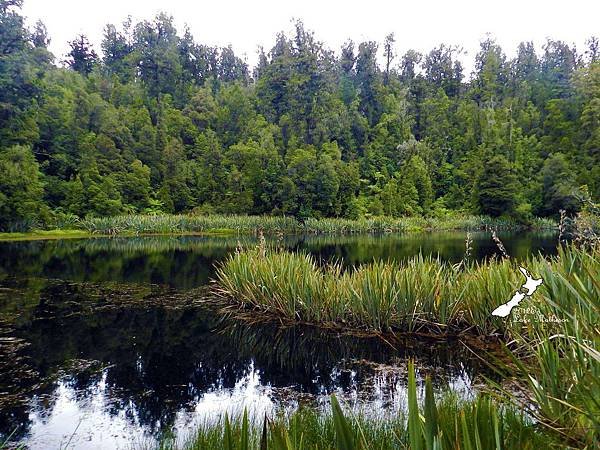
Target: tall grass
column 401, row 296
column 563, row 389
column 554, row 346
column 162, row 224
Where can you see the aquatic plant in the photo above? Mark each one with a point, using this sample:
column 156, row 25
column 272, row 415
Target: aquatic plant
column 554, row 339
column 164, row 224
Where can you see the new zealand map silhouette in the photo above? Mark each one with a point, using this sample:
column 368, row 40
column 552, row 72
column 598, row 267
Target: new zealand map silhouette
column 530, row 286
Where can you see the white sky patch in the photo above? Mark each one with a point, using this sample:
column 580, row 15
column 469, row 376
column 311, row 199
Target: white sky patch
column 419, row 25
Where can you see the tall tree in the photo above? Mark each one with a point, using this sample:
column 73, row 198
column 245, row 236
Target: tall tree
column 389, row 54
column 497, row 187
column 82, row 57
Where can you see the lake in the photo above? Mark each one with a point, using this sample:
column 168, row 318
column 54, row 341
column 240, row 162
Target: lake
column 106, row 342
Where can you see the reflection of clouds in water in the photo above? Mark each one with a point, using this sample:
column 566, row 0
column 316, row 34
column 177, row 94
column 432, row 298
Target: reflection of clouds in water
column 248, row 393
column 84, row 424
column 385, row 394
column 463, row 385
column 381, row 395
column 88, row 424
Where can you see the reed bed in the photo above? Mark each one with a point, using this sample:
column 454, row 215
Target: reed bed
column 165, row 224
column 422, row 292
column 554, row 336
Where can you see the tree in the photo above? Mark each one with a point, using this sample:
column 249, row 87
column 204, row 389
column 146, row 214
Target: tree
column 368, row 79
column 39, row 36
column 497, row 187
column 558, row 186
column 231, row 67
column 21, row 190
column 101, row 194
column 442, row 70
column 163, row 122
column 422, row 182
column 117, row 50
column 388, row 49
column 491, row 73
column 135, row 186
column 81, row 58
column 19, row 84
column 410, row 62
column 157, row 56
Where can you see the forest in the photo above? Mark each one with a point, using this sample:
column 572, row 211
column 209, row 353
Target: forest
column 154, row 122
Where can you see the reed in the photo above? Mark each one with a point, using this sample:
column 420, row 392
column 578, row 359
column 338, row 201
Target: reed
column 380, row 297
column 557, row 357
column 400, row 296
column 555, row 336
column 164, row 224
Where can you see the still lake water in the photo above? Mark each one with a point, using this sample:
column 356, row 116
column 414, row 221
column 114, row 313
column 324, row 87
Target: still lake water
column 104, row 342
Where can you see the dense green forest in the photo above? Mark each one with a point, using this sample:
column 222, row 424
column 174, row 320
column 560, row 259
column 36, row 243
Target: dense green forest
column 155, row 122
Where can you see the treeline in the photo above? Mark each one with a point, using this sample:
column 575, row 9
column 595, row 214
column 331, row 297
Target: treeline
column 160, row 123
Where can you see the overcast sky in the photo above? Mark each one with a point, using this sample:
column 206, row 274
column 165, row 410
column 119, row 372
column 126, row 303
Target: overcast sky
column 417, row 24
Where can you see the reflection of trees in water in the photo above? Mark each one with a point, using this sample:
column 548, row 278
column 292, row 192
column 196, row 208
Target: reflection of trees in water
column 158, row 361
column 449, row 245
column 182, row 262
column 162, row 361
column 188, row 261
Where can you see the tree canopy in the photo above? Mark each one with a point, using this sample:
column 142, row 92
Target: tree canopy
column 156, row 121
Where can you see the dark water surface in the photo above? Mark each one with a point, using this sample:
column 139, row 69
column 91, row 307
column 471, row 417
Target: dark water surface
column 104, row 342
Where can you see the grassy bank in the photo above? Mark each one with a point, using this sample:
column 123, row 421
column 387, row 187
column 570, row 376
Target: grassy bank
column 554, row 337
column 44, row 234
column 134, row 225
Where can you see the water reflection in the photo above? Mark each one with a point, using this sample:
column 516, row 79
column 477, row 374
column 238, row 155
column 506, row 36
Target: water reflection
column 186, row 262
column 124, row 372
column 107, row 337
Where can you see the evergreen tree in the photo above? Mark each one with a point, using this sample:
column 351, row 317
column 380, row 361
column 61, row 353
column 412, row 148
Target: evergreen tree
column 497, row 187
column 162, row 122
column 21, row 190
column 81, row 58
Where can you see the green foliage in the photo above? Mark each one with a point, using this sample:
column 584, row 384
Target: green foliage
column 558, row 185
column 497, row 188
column 21, row 190
column 385, row 297
column 161, row 123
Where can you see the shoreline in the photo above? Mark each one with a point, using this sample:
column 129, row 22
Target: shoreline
column 219, row 225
